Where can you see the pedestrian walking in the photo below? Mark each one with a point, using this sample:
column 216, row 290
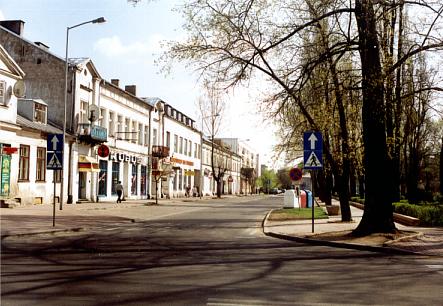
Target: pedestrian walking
column 119, row 189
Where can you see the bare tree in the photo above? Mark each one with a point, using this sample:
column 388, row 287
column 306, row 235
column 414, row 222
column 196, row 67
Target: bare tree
column 212, row 107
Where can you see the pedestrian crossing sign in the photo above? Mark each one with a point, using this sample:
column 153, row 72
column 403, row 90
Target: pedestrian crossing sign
column 54, row 160
column 313, row 150
column 313, row 159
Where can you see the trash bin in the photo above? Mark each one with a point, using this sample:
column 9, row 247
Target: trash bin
column 302, row 199
column 309, row 198
column 290, row 199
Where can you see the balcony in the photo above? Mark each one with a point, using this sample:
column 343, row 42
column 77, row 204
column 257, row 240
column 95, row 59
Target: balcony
column 92, row 134
column 160, row 151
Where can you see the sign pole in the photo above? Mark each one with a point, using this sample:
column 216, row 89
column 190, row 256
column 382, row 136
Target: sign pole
column 313, row 198
column 53, row 207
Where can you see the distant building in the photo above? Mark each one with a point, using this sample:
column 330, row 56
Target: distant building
column 250, row 164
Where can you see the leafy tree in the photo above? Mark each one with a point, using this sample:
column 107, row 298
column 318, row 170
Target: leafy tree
column 267, row 180
column 231, row 41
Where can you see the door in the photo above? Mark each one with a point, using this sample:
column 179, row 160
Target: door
column 82, row 185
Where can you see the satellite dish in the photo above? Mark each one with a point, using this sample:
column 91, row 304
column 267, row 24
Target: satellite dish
column 19, row 89
column 93, row 112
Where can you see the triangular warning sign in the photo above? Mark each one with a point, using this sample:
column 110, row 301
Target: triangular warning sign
column 54, row 162
column 313, row 161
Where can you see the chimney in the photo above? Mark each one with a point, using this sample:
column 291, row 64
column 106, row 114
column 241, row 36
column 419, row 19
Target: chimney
column 115, row 82
column 15, row 26
column 132, row 89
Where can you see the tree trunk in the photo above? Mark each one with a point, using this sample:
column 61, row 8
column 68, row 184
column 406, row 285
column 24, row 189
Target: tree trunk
column 441, row 168
column 378, row 214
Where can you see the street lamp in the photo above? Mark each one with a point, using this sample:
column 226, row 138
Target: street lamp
column 97, row 20
column 201, row 152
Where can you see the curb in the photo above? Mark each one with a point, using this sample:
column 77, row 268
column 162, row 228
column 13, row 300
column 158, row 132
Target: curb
column 74, row 229
column 361, row 247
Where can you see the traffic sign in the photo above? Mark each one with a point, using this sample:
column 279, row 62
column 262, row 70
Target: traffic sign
column 55, row 142
column 103, row 151
column 54, row 160
column 295, row 174
column 313, row 150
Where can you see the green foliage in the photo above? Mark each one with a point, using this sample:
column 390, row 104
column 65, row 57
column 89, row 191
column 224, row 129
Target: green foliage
column 297, row 214
column 429, row 214
column 267, row 180
column 358, row 200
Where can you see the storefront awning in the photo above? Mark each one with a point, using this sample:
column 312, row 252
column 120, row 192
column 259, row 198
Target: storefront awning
column 87, row 164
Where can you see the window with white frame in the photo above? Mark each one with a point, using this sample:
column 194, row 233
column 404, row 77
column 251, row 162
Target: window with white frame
column 140, row 134
column 168, row 139
column 111, row 124
column 146, row 135
column 39, row 113
column 83, row 112
column 181, row 146
column 154, row 137
column 185, row 150
column 133, row 136
column 127, row 128
column 119, row 127
column 102, row 117
column 190, row 149
column 175, row 143
column 2, row 92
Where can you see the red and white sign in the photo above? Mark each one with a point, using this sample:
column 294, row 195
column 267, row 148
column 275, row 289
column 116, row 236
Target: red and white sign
column 10, row 150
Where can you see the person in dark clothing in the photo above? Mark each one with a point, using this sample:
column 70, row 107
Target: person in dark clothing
column 119, row 189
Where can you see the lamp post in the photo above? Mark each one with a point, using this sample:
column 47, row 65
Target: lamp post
column 97, row 20
column 201, row 152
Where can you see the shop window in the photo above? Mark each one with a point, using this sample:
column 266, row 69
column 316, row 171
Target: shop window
column 103, row 178
column 41, row 165
column 115, row 176
column 134, row 179
column 23, row 171
column 143, row 179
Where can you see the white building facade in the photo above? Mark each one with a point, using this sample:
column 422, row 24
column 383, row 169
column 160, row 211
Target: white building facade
column 175, row 149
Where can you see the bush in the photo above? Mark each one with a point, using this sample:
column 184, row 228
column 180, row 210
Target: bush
column 429, row 214
column 358, row 200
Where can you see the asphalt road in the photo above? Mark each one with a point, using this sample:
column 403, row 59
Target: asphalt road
column 204, row 254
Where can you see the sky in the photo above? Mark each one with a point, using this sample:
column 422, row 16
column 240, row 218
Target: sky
column 126, row 48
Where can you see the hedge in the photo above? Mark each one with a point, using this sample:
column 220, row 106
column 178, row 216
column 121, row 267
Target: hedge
column 430, row 215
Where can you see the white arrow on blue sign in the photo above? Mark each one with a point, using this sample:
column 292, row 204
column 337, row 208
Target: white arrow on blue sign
column 313, row 150
column 55, row 142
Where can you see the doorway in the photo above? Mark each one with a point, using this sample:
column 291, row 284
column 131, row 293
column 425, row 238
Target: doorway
column 82, row 185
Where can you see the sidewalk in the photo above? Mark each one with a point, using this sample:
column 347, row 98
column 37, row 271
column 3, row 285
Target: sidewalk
column 333, row 232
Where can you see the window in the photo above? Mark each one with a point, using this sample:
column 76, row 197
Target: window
column 41, row 165
column 198, row 152
column 175, row 144
column 57, row 176
column 111, row 127
column 83, row 112
column 3, row 93
column 143, row 178
column 168, row 140
column 23, row 171
column 140, row 134
column 102, row 117
column 127, row 127
column 154, row 137
column 181, row 145
column 146, row 135
column 39, row 113
column 134, row 132
column 115, row 176
column 103, row 178
column 190, row 148
column 119, row 127
column 134, row 179
column 185, row 151
column 195, row 150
